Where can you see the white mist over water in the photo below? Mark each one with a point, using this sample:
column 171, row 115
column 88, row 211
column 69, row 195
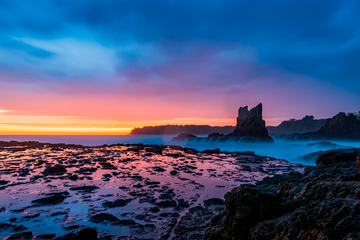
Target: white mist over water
column 288, row 150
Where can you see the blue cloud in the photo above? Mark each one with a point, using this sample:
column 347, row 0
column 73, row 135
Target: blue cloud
column 318, row 39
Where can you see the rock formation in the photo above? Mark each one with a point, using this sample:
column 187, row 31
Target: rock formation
column 250, row 124
column 321, row 203
column 250, row 128
column 341, row 126
column 184, row 137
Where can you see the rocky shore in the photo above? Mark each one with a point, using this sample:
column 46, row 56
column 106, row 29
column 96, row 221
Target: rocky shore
column 118, row 192
column 321, row 203
column 59, row 191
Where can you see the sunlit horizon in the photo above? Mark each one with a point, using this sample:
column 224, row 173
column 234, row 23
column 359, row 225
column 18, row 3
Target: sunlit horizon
column 95, row 67
column 69, row 125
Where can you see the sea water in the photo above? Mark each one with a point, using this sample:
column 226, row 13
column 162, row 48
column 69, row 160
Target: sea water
column 280, row 149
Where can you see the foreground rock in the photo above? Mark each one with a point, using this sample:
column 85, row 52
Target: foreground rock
column 53, row 198
column 322, row 203
column 55, row 170
column 86, row 233
column 157, row 192
column 185, row 137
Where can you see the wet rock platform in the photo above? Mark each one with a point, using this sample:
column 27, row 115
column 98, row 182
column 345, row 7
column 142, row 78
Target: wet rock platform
column 58, row 191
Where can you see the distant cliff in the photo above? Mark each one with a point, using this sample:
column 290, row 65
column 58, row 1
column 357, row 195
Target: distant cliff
column 177, row 129
column 339, row 127
column 307, row 124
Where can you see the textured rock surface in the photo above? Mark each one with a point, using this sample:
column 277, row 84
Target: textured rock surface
column 86, row 233
column 155, row 191
column 55, row 170
column 184, row 137
column 358, row 162
column 341, row 126
column 251, row 124
column 322, row 203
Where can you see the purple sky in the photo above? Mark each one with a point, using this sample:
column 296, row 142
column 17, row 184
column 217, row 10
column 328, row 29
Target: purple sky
column 121, row 64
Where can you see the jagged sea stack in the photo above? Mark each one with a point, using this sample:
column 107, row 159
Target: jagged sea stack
column 251, row 125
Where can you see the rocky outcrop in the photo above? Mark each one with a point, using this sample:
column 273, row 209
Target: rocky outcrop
column 250, row 124
column 184, row 137
column 341, row 127
column 321, row 203
column 250, row 128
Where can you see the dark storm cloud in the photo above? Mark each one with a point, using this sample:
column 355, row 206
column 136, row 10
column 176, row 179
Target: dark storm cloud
column 320, row 39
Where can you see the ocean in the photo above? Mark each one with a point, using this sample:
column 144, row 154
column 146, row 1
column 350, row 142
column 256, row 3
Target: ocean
column 280, row 149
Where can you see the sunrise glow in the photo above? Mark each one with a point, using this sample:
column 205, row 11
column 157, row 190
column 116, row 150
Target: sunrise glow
column 79, row 72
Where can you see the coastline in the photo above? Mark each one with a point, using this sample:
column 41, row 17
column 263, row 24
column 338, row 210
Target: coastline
column 146, row 190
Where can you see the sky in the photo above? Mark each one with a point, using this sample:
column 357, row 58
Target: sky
column 104, row 67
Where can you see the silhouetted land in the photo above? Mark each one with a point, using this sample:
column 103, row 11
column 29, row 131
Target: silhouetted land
column 340, row 127
column 304, row 125
column 177, row 129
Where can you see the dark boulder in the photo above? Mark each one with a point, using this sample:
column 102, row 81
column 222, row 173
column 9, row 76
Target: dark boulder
column 84, row 188
column 21, row 236
column 174, row 172
column 212, row 151
column 86, row 233
column 54, row 198
column 45, row 236
column 158, row 169
column 194, row 223
column 336, row 156
column 184, row 137
column 213, row 201
column 55, row 170
column 166, row 203
column 116, row 203
column 74, row 177
column 154, row 209
column 3, row 182
column 103, row 217
column 215, row 135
